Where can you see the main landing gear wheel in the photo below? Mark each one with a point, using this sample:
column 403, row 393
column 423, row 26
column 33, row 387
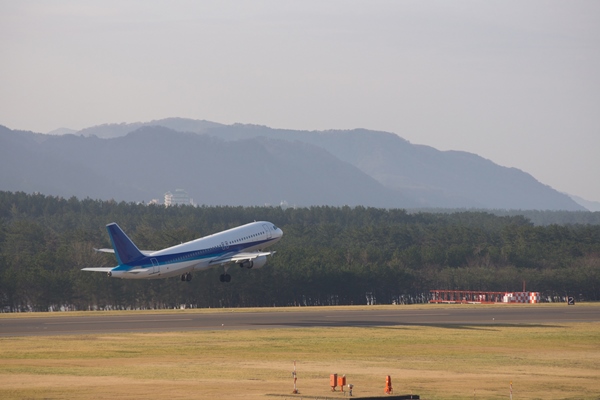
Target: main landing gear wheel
column 186, row 277
column 225, row 278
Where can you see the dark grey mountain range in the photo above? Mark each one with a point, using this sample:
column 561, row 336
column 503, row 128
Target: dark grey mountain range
column 254, row 165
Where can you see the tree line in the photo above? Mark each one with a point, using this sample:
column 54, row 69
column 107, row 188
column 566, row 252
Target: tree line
column 327, row 256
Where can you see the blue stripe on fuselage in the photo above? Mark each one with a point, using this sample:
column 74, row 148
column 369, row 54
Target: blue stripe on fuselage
column 196, row 255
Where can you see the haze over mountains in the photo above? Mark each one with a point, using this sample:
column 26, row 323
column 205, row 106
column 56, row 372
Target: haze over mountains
column 256, row 165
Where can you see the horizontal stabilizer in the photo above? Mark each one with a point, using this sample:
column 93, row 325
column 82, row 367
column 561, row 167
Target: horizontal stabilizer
column 112, row 251
column 137, row 271
column 99, row 269
column 104, row 250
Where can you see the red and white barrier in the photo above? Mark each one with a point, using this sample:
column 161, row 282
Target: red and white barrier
column 521, row 297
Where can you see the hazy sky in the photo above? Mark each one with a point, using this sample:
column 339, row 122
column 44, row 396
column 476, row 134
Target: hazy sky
column 517, row 82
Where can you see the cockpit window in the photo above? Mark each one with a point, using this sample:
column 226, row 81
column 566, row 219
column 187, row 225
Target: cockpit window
column 274, row 228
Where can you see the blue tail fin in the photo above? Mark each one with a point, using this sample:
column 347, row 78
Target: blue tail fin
column 125, row 250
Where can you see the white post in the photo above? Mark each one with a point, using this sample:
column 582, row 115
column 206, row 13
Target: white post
column 295, row 378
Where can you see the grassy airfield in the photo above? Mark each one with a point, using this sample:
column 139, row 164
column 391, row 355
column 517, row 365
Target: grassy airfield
column 554, row 361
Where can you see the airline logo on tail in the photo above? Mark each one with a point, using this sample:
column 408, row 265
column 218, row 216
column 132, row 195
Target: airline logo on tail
column 125, row 250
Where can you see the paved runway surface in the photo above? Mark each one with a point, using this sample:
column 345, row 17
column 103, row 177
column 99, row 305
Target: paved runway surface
column 451, row 316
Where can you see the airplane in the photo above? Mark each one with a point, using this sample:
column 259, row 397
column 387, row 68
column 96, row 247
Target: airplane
column 242, row 245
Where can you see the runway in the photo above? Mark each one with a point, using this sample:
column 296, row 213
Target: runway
column 453, row 316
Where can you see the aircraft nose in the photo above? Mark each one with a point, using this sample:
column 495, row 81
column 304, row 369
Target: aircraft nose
column 277, row 233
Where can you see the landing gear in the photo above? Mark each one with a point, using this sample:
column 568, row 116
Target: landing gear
column 225, row 277
column 186, row 277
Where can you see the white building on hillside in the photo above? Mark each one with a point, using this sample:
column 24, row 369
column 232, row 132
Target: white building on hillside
column 180, row 197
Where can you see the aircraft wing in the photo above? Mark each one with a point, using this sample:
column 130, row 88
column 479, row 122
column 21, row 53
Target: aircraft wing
column 240, row 257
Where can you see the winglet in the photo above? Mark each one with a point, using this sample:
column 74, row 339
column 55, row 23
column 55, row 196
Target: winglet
column 125, row 250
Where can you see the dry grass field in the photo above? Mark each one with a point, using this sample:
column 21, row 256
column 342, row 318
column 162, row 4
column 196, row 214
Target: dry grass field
column 559, row 361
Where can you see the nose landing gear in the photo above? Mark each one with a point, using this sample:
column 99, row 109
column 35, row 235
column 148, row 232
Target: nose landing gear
column 225, row 277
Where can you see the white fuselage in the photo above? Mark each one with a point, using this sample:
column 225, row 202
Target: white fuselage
column 206, row 252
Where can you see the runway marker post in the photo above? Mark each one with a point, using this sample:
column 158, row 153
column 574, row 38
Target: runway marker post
column 295, row 391
column 388, row 385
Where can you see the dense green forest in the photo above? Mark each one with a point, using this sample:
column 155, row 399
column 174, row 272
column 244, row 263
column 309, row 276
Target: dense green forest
column 327, row 255
column 537, row 217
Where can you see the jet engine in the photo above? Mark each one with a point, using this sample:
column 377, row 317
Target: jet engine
column 257, row 263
